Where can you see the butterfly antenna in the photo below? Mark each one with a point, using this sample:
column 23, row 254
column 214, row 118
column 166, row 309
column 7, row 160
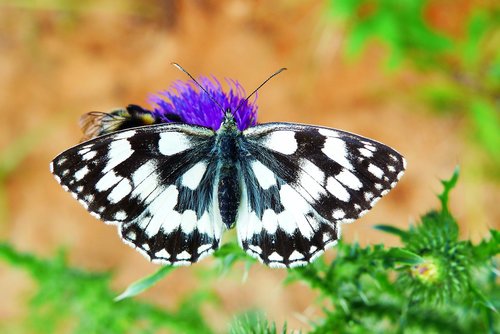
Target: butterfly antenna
column 199, row 85
column 256, row 89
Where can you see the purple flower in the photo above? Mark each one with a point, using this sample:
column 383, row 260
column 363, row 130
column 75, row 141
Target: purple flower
column 186, row 102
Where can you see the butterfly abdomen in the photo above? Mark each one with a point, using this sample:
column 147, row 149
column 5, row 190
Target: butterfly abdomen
column 229, row 191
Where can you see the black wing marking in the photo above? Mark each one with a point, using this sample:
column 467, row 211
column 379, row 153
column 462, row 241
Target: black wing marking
column 301, row 182
column 155, row 182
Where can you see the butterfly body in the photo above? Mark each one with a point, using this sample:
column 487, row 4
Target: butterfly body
column 229, row 142
column 173, row 189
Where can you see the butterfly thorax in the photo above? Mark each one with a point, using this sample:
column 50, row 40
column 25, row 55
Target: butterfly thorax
column 228, row 140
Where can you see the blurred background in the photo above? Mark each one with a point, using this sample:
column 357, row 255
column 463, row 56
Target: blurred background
column 420, row 76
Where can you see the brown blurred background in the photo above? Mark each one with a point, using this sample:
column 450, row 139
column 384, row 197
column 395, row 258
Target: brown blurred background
column 58, row 61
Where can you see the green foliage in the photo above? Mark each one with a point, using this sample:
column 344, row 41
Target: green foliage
column 399, row 24
column 434, row 283
column 70, row 300
column 254, row 322
column 465, row 67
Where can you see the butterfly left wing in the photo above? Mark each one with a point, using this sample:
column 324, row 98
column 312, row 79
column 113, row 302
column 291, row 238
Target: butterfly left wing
column 155, row 182
column 300, row 182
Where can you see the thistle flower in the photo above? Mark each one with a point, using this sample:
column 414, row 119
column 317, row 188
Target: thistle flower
column 187, row 103
column 445, row 272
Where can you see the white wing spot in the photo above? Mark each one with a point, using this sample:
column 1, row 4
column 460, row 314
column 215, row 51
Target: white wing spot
column 80, row 174
column 366, row 153
column 162, row 254
column 171, row 143
column 312, row 180
column 163, row 215
column 183, row 256
column 193, row 176
column 369, row 146
column 122, row 189
column 143, row 172
column 264, row 175
column 375, row 171
column 89, row 155
column 120, row 215
column 368, row 196
column 275, row 257
column 296, row 255
column 328, row 133
column 349, row 179
column 282, row 141
column 288, row 223
column 204, row 248
column 255, row 249
column 336, row 149
column 119, row 151
column 84, row 150
column 338, row 214
column 188, row 221
column 125, row 134
column 391, row 168
column 131, row 235
column 269, row 221
column 337, row 190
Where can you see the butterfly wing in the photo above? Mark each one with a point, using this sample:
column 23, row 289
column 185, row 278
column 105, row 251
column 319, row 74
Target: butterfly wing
column 300, row 182
column 155, row 182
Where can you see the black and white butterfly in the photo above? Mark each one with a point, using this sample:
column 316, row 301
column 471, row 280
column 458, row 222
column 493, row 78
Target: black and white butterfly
column 172, row 189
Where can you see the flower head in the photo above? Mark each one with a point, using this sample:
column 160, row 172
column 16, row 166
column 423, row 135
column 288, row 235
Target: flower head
column 187, row 103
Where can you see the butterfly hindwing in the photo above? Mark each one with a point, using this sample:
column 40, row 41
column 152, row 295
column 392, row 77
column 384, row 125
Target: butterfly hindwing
column 300, row 182
column 155, row 183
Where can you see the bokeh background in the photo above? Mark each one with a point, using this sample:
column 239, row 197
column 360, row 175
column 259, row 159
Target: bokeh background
column 420, row 76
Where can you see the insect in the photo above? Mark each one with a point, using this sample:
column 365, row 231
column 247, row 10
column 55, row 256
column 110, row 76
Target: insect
column 173, row 188
column 97, row 123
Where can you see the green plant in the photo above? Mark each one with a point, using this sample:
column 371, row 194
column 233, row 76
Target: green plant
column 464, row 67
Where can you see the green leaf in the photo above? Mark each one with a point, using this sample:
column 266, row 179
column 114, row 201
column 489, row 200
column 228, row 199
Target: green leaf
column 144, row 283
column 392, row 230
column 444, row 197
column 403, row 256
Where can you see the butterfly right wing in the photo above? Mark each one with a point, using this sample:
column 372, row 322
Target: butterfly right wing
column 155, row 182
column 300, row 182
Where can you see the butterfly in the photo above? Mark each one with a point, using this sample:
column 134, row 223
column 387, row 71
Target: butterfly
column 174, row 188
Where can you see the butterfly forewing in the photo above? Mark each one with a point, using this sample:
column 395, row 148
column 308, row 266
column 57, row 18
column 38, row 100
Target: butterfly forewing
column 156, row 183
column 300, row 182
